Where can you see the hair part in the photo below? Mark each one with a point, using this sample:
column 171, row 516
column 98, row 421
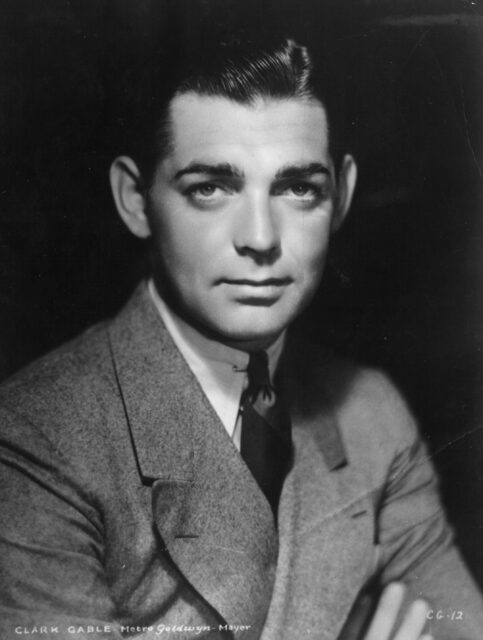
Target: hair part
column 240, row 72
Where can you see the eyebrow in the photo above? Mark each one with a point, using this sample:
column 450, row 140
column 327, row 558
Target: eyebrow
column 222, row 169
column 302, row 171
column 227, row 170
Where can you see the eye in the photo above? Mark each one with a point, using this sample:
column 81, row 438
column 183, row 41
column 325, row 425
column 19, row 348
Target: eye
column 209, row 194
column 204, row 191
column 303, row 192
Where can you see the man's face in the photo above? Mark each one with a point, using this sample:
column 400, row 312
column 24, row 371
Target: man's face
column 240, row 214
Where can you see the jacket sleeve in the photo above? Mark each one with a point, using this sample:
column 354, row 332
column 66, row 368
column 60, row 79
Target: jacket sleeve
column 415, row 541
column 50, row 532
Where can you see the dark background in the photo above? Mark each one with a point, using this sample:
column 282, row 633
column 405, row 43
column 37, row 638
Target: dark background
column 404, row 288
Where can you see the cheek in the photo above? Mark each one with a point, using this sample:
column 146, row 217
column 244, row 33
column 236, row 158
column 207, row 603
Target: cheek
column 309, row 244
column 180, row 256
column 176, row 245
column 187, row 257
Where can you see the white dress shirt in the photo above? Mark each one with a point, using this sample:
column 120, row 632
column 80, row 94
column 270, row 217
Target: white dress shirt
column 220, row 370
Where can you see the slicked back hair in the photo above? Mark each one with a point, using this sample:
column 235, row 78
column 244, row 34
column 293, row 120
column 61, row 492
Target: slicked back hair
column 242, row 72
column 281, row 73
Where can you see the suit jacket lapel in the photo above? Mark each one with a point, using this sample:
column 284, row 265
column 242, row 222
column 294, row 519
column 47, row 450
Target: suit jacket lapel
column 211, row 515
column 326, row 511
column 325, row 536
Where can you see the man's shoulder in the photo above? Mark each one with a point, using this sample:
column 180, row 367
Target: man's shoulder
column 63, row 384
column 321, row 370
column 372, row 412
column 76, row 391
column 369, row 409
column 75, row 369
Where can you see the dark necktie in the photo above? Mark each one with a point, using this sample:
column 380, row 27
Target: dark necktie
column 265, row 430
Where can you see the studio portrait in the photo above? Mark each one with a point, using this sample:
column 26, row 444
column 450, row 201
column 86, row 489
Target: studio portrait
column 241, row 285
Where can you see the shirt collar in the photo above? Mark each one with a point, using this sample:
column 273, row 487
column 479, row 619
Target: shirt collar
column 220, row 370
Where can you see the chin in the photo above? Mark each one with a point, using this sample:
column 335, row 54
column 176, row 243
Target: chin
column 250, row 334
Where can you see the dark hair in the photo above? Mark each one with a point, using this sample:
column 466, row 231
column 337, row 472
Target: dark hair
column 244, row 75
column 238, row 70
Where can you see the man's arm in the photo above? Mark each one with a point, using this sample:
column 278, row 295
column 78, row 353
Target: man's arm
column 417, row 548
column 51, row 543
column 414, row 540
column 387, row 621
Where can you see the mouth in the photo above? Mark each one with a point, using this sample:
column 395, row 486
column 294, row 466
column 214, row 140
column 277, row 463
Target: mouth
column 268, row 282
column 253, row 292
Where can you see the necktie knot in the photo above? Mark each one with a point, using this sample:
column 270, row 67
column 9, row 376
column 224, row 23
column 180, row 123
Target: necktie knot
column 259, row 377
column 265, row 433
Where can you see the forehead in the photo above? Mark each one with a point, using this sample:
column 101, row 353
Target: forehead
column 267, row 132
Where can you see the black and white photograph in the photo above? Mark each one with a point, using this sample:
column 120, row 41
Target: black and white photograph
column 241, row 319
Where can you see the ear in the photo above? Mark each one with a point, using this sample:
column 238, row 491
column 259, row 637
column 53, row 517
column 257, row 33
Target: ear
column 345, row 190
column 126, row 187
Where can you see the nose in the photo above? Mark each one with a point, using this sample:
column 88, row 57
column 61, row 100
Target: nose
column 257, row 233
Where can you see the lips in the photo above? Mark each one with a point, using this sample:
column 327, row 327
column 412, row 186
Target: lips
column 256, row 292
column 267, row 282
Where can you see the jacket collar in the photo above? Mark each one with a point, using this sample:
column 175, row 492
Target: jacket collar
column 156, row 381
column 210, row 513
column 313, row 379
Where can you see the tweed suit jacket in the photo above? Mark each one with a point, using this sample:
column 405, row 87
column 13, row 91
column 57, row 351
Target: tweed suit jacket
column 128, row 512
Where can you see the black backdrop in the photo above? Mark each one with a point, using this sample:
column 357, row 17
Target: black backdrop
column 404, row 288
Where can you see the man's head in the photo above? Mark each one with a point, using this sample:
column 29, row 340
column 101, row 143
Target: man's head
column 238, row 191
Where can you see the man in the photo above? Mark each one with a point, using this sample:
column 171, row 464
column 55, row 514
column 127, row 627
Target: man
column 189, row 468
